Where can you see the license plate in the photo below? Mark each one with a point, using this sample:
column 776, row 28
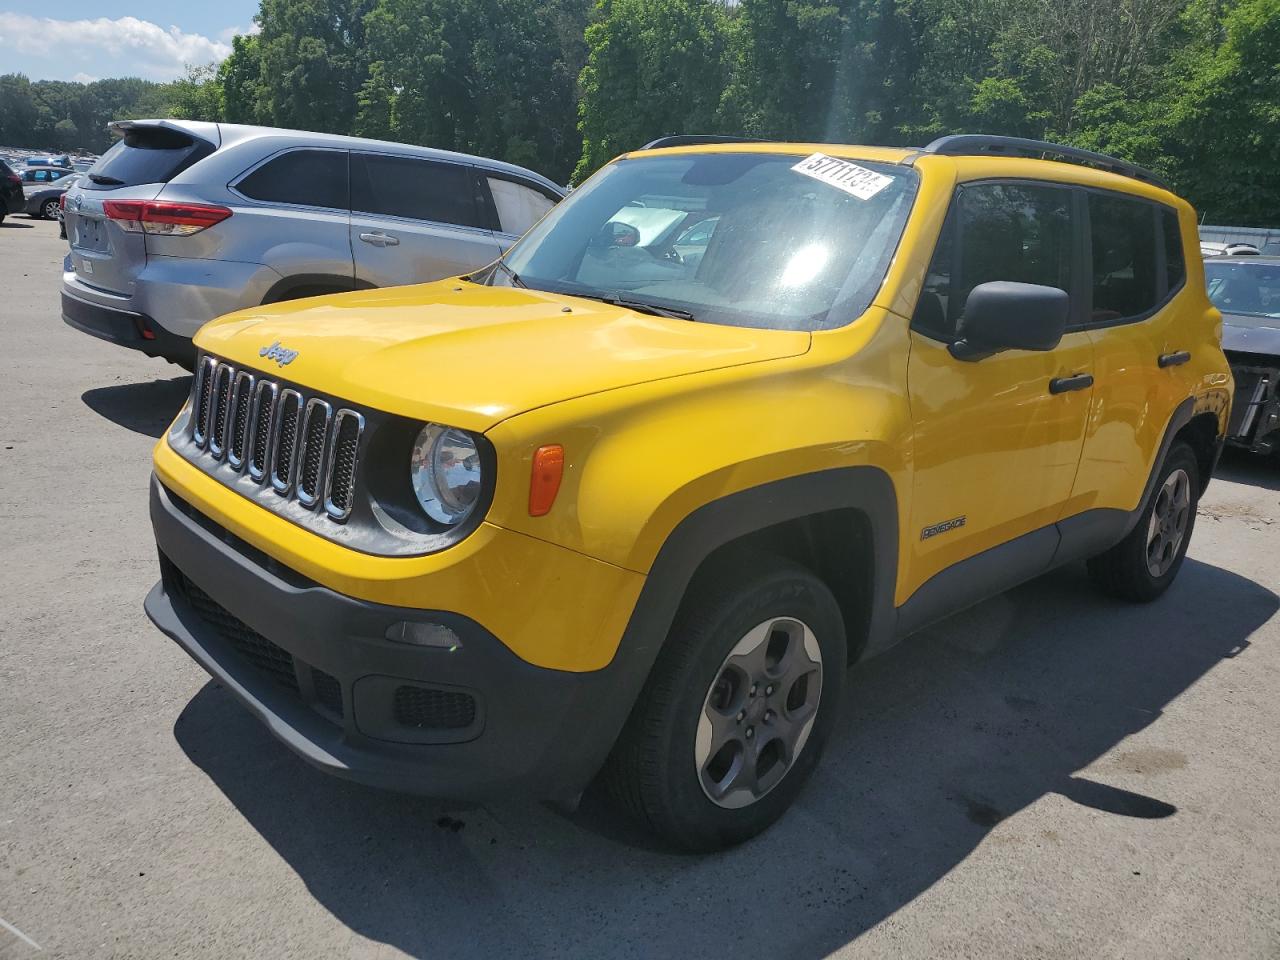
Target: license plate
column 90, row 235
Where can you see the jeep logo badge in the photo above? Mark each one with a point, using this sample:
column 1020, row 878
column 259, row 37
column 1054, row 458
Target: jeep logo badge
column 279, row 354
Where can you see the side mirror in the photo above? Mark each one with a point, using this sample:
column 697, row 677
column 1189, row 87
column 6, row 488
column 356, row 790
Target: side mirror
column 1003, row 315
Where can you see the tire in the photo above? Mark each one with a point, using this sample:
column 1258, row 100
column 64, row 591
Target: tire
column 655, row 774
column 49, row 210
column 1126, row 571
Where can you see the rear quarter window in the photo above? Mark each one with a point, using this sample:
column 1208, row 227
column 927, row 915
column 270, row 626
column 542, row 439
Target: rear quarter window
column 147, row 155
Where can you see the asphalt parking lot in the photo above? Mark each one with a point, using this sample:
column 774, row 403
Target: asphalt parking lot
column 1049, row 774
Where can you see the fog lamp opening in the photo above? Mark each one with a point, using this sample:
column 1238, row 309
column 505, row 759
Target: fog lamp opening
column 434, row 635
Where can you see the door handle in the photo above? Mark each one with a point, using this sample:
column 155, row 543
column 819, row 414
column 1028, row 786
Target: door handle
column 1079, row 381
column 380, row 239
column 1173, row 359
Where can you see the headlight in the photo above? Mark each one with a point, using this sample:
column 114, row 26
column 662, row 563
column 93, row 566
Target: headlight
column 445, row 470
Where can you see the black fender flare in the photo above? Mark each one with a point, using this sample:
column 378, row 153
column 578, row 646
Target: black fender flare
column 283, row 288
column 864, row 488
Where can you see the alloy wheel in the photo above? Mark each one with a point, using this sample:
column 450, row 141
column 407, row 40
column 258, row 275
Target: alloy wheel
column 1168, row 524
column 758, row 712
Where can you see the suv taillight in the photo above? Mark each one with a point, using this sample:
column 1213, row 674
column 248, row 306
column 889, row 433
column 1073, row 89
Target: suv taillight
column 62, row 201
column 14, row 178
column 164, row 217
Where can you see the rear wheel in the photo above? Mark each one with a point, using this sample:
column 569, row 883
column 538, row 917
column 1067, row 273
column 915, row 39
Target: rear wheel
column 733, row 718
column 1143, row 565
column 50, row 210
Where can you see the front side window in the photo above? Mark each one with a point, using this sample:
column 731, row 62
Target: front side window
column 308, row 178
column 519, row 207
column 1122, row 234
column 1247, row 290
column 775, row 248
column 995, row 231
column 411, row 188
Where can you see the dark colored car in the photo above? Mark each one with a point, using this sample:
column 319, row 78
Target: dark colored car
column 12, row 199
column 44, row 196
column 1247, row 291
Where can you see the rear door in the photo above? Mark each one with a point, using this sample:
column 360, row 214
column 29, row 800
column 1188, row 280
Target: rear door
column 1148, row 344
column 415, row 220
column 103, row 253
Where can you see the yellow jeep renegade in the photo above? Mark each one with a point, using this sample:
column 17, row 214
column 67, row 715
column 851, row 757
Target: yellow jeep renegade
column 733, row 416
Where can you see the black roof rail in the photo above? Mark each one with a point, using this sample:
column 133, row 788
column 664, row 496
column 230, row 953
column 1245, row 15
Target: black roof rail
column 973, row 144
column 697, row 139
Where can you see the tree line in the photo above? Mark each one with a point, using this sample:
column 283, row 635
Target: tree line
column 1189, row 88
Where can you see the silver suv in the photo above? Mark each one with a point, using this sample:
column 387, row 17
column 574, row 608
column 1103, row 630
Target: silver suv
column 181, row 222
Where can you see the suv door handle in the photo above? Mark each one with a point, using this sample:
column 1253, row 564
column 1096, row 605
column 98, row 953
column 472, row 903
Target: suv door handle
column 1173, row 359
column 380, row 239
column 1080, row 381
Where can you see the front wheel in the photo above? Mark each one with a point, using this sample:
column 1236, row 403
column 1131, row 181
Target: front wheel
column 1143, row 565
column 732, row 720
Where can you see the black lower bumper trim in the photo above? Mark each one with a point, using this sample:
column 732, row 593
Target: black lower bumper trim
column 124, row 328
column 533, row 729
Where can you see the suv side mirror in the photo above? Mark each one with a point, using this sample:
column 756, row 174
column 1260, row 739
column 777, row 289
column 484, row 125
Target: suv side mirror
column 1003, row 315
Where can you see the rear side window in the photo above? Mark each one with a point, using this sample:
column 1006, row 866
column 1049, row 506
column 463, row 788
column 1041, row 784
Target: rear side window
column 308, row 178
column 519, row 207
column 415, row 189
column 147, row 155
column 1175, row 267
column 995, row 231
column 1122, row 234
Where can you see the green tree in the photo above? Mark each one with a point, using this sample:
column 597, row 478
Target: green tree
column 313, row 62
column 198, row 95
column 240, row 77
column 653, row 67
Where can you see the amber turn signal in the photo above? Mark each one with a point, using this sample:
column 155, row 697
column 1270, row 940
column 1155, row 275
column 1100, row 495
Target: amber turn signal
column 544, row 484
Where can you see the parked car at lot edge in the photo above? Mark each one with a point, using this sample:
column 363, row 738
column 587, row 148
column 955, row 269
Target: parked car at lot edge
column 607, row 508
column 12, row 199
column 44, row 197
column 1247, row 291
column 181, row 222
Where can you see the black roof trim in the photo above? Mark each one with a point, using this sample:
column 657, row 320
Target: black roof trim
column 696, row 139
column 974, row 144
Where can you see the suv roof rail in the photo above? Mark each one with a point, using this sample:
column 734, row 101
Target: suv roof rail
column 973, row 144
column 696, row 139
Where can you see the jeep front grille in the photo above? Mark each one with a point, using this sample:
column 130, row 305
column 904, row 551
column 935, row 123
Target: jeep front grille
column 297, row 445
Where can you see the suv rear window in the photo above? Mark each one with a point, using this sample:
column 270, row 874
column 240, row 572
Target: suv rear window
column 147, row 155
column 309, row 178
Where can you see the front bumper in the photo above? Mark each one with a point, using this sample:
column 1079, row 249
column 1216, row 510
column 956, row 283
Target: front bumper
column 126, row 329
column 1255, row 410
column 315, row 666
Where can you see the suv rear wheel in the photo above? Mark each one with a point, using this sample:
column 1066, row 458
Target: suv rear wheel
column 732, row 720
column 1142, row 565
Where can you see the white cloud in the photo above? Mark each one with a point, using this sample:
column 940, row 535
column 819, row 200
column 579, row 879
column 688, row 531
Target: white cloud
column 152, row 50
column 83, row 77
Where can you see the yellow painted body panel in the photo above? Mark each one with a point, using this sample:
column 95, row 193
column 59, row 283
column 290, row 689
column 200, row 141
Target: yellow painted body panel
column 659, row 417
column 551, row 606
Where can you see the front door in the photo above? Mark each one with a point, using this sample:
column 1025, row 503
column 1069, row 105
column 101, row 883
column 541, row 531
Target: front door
column 996, row 441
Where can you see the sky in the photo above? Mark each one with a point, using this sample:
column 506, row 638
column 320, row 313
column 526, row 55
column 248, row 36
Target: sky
column 90, row 39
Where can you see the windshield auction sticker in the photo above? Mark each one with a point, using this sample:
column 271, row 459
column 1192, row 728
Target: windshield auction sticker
column 843, row 175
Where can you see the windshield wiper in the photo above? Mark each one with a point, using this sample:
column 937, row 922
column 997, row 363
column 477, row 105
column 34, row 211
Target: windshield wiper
column 514, row 277
column 105, row 180
column 640, row 306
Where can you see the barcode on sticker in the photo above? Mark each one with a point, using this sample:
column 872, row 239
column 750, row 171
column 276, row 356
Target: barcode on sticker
column 843, row 175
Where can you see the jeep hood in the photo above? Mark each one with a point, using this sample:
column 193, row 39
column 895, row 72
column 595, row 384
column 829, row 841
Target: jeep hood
column 471, row 356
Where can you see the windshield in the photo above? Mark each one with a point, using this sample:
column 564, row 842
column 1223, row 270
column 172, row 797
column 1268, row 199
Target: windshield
column 1245, row 288
column 746, row 239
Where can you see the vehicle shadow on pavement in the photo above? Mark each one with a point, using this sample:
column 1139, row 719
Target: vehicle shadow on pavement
column 9, row 224
column 944, row 737
column 1238, row 466
column 147, row 407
